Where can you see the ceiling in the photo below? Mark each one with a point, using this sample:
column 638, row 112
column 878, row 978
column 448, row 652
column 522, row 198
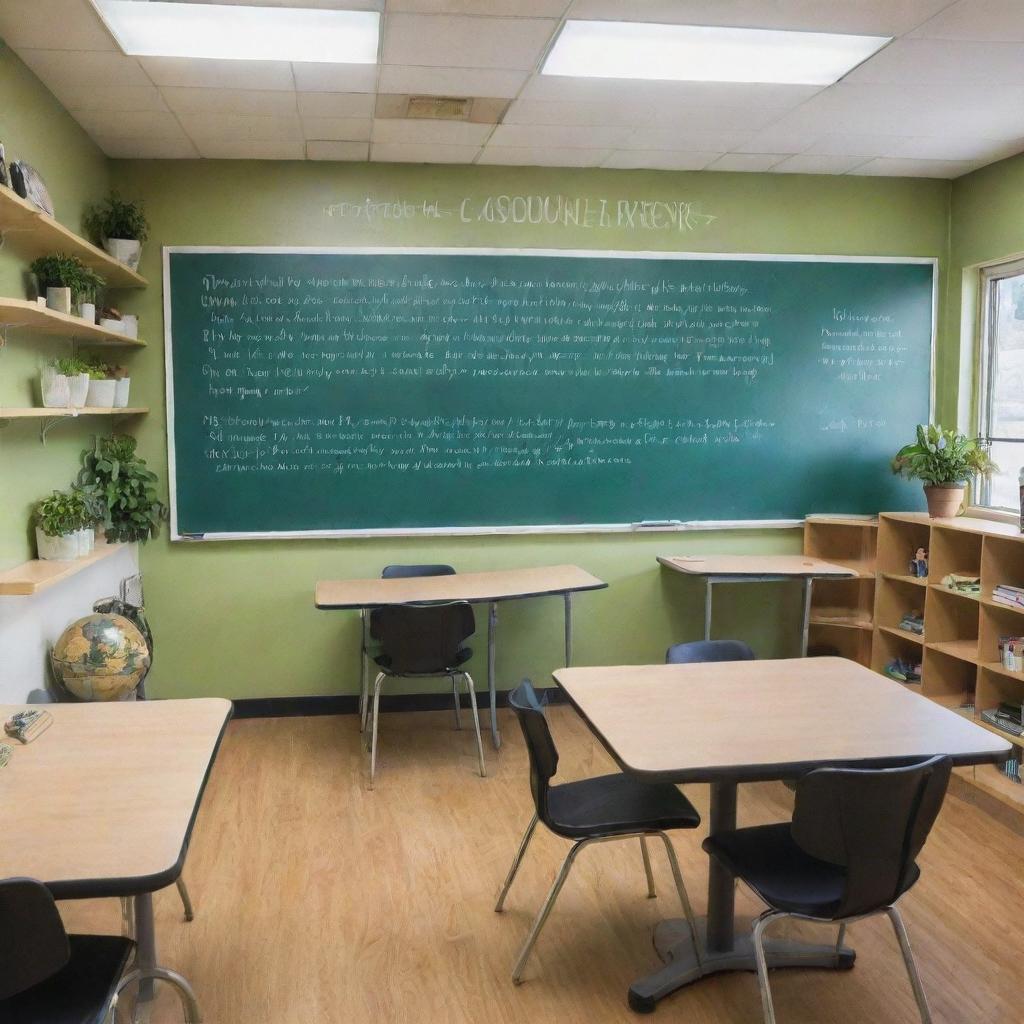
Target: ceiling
column 945, row 97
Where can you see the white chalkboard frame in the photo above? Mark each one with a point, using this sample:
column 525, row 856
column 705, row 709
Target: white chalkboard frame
column 476, row 531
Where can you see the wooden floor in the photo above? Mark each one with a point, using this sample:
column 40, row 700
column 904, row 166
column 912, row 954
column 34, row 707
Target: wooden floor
column 318, row 902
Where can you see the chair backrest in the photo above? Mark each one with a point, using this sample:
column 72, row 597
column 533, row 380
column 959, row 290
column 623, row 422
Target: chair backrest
column 708, row 650
column 35, row 944
column 399, row 572
column 422, row 639
column 539, row 745
column 873, row 823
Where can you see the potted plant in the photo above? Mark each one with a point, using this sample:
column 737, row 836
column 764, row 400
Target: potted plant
column 95, row 514
column 122, row 384
column 54, row 388
column 85, row 292
column 77, row 371
column 120, row 226
column 134, row 512
column 57, row 275
column 102, row 387
column 59, row 518
column 944, row 461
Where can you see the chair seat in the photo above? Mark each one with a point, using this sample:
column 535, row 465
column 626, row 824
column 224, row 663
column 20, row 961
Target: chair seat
column 383, row 662
column 80, row 991
column 780, row 872
column 616, row 804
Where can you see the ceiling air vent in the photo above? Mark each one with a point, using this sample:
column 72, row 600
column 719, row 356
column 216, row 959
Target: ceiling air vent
column 475, row 109
column 445, row 108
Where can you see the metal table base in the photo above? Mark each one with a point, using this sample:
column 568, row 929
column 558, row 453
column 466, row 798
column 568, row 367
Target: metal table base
column 808, row 582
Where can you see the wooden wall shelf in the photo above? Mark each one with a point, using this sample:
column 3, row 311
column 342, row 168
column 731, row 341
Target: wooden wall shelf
column 20, row 313
column 33, row 233
column 40, row 574
column 43, row 413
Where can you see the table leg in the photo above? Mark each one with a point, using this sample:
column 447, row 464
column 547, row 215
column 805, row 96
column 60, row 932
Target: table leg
column 568, row 629
column 707, row 607
column 145, row 954
column 492, row 688
column 364, row 678
column 721, row 949
column 804, row 635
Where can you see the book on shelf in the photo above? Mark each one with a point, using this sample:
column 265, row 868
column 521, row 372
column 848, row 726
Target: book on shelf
column 1012, row 596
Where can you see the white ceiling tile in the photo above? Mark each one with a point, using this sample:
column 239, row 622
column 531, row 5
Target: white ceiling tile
column 53, row 25
column 148, row 149
column 229, row 101
column 660, row 160
column 130, row 124
column 538, row 136
column 429, row 132
column 995, row 20
column 84, row 69
column 898, row 168
column 219, row 74
column 747, row 162
column 241, row 128
column 416, row 153
column 868, row 17
column 547, row 156
column 259, row 149
column 396, row 78
column 348, row 129
column 817, row 163
column 113, row 98
column 541, row 112
column 857, row 144
column 335, row 77
column 507, row 8
column 683, row 140
column 958, row 147
column 335, row 104
column 452, row 41
column 940, row 61
column 772, row 140
column 319, row 149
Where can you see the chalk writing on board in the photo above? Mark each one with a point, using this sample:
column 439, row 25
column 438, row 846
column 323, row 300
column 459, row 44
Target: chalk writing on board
column 553, row 210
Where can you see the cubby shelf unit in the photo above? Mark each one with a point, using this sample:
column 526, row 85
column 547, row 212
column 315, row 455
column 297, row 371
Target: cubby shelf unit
column 31, row 233
column 30, row 316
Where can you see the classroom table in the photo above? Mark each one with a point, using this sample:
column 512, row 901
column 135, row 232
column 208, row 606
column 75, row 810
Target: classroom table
column 102, row 803
column 756, row 569
column 488, row 588
column 730, row 722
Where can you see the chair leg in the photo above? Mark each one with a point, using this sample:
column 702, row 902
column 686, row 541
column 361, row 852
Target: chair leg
column 471, row 687
column 128, row 917
column 645, row 853
column 186, row 900
column 545, row 910
column 908, row 958
column 512, row 871
column 189, row 1005
column 840, row 937
column 458, row 703
column 684, row 896
column 762, row 964
column 377, row 683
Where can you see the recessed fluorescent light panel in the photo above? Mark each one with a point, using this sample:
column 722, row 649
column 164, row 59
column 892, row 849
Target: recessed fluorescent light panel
column 699, row 53
column 242, row 33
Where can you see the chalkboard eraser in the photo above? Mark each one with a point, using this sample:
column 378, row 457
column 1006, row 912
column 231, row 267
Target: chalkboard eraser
column 648, row 524
column 192, row 536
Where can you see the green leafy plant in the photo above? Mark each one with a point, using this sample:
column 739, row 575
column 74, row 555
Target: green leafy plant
column 943, row 457
column 62, row 513
column 70, row 366
column 95, row 504
column 127, row 487
column 59, row 270
column 88, row 285
column 115, row 217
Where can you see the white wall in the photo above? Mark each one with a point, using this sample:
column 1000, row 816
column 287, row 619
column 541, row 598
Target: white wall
column 29, row 626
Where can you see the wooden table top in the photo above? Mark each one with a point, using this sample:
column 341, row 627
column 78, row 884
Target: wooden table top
column 477, row 587
column 751, row 720
column 753, row 565
column 102, row 803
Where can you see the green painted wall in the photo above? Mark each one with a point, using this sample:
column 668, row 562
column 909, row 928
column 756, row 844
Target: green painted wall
column 34, row 127
column 238, row 619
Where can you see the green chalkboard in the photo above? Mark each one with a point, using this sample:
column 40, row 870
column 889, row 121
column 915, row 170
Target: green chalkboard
column 376, row 390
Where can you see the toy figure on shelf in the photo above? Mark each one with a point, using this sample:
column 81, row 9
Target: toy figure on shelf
column 919, row 564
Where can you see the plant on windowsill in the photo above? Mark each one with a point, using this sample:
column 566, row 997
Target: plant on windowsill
column 944, row 461
column 120, row 226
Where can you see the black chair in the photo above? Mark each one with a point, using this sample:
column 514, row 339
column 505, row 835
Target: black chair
column 50, row 977
column 419, row 641
column 849, row 853
column 591, row 811
column 708, row 650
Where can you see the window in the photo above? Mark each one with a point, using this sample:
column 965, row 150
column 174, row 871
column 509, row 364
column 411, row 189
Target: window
column 1001, row 383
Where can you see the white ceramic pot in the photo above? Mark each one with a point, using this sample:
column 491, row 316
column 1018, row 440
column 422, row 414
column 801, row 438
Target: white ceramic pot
column 130, row 325
column 112, row 325
column 121, row 392
column 79, row 387
column 54, row 388
column 61, row 548
column 85, row 541
column 124, row 250
column 87, row 311
column 59, row 299
column 101, row 394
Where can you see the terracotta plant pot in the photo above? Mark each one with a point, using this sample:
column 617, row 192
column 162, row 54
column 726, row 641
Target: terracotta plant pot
column 944, row 500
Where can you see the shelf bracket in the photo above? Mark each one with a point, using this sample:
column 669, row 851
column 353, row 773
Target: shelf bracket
column 49, row 422
column 4, row 328
column 4, row 232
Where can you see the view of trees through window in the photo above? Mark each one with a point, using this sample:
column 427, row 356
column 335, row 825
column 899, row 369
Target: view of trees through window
column 1003, row 415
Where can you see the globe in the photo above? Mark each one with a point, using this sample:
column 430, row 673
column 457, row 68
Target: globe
column 100, row 657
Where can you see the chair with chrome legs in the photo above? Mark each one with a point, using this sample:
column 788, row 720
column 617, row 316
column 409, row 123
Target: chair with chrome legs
column 708, row 650
column 421, row 641
column 849, row 853
column 591, row 811
column 50, row 977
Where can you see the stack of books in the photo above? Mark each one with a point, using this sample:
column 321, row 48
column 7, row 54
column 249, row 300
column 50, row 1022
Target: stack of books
column 913, row 622
column 1008, row 717
column 1011, row 596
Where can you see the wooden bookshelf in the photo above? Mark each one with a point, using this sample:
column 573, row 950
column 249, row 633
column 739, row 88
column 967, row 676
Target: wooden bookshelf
column 31, row 233
column 41, row 574
column 30, row 316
